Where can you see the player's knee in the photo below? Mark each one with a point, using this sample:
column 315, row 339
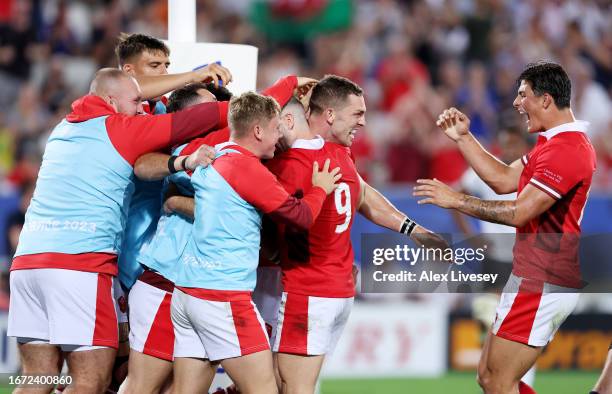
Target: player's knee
column 492, row 383
column 482, row 378
column 486, row 380
column 129, row 386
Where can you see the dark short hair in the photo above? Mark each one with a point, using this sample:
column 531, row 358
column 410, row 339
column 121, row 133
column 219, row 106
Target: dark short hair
column 249, row 108
column 332, row 92
column 548, row 77
column 132, row 45
column 187, row 95
column 221, row 93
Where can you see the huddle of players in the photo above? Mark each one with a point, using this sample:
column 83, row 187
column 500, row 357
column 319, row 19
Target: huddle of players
column 192, row 304
column 191, row 307
column 217, row 267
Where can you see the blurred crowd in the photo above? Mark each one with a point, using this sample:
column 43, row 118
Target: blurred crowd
column 413, row 58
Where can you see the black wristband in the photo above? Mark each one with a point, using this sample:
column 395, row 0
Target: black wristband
column 408, row 226
column 171, row 161
column 183, row 162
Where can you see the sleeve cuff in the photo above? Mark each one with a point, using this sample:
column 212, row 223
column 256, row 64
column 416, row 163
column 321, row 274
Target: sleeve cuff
column 545, row 188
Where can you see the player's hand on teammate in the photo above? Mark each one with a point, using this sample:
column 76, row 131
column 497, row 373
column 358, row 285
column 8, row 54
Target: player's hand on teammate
column 437, row 193
column 304, row 90
column 454, row 123
column 212, row 73
column 325, row 178
column 201, row 157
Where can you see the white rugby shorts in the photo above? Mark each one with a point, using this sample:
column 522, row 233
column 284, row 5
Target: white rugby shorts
column 63, row 307
column 151, row 330
column 216, row 325
column 309, row 325
column 531, row 312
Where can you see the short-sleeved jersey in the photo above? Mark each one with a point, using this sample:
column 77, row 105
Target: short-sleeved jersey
column 561, row 165
column 318, row 262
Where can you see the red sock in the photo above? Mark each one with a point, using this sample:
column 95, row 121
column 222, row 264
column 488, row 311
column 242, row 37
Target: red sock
column 524, row 388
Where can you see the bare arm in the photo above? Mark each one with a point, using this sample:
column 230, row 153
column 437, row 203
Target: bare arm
column 154, row 166
column 377, row 209
column 176, row 202
column 158, row 85
column 531, row 203
column 155, row 86
column 500, row 177
column 182, row 205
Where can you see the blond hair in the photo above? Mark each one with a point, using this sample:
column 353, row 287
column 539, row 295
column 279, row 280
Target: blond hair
column 249, row 109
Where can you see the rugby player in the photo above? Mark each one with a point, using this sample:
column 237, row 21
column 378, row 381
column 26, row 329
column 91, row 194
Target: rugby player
column 152, row 336
column 217, row 268
column 61, row 278
column 317, row 263
column 142, row 56
column 147, row 59
column 552, row 182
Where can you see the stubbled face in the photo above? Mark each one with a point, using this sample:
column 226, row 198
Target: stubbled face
column 150, row 64
column 126, row 97
column 530, row 105
column 348, row 120
column 270, row 136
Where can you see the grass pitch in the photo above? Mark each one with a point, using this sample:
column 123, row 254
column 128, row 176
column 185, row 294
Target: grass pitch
column 558, row 382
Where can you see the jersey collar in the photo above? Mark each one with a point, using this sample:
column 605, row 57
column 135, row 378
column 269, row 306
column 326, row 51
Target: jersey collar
column 235, row 146
column 313, row 144
column 580, row 126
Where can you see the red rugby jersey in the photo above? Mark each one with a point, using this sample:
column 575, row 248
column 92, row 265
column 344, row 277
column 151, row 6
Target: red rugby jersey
column 561, row 164
column 319, row 262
